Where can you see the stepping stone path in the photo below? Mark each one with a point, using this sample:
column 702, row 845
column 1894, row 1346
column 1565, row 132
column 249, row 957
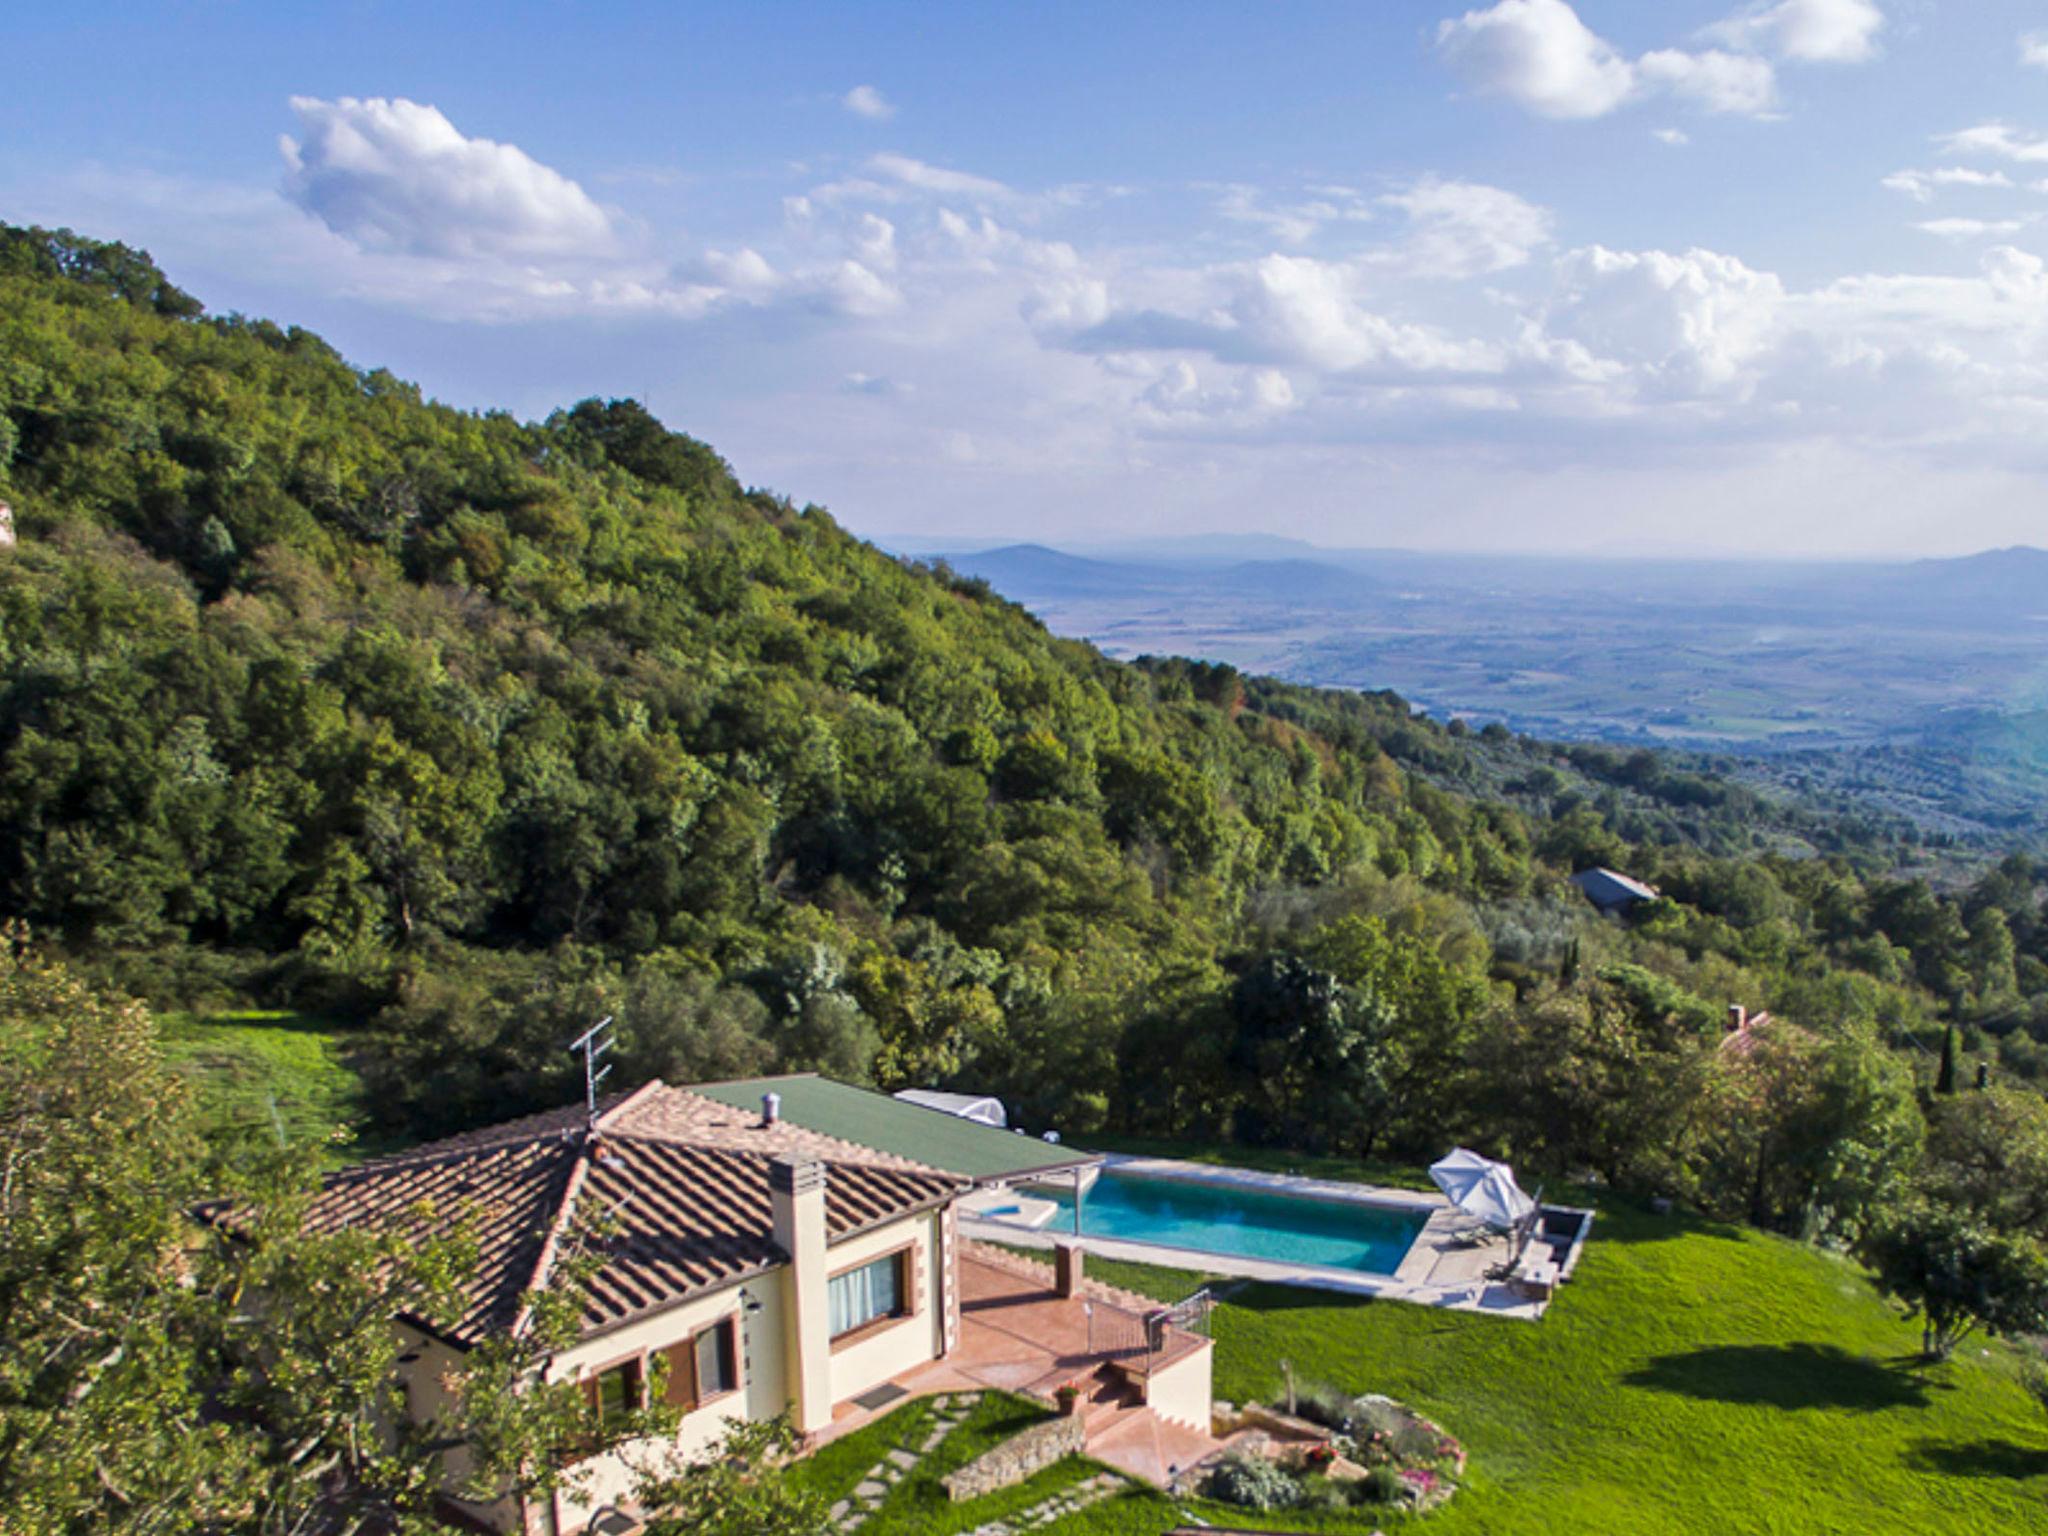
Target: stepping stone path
column 1060, row 1506
column 949, row 1411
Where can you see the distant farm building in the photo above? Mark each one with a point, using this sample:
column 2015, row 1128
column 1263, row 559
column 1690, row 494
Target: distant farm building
column 979, row 1108
column 1611, row 891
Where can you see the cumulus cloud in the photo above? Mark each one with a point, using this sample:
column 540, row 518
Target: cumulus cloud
column 1542, row 56
column 865, row 101
column 2034, row 49
column 1811, row 31
column 1684, row 324
column 1677, row 138
column 398, row 176
column 1538, row 54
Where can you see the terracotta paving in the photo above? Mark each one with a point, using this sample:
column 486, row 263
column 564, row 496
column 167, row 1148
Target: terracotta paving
column 1019, row 1335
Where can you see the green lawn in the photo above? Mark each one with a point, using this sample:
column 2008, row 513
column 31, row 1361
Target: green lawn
column 1692, row 1378
column 280, row 1074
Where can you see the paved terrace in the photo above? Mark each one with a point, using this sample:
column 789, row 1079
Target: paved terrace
column 1018, row 1334
column 1447, row 1266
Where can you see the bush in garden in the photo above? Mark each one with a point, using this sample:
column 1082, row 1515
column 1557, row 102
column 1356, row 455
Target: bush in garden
column 1382, row 1485
column 1252, row 1482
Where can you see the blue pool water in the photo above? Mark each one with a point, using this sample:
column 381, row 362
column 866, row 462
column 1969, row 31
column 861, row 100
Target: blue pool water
column 1246, row 1223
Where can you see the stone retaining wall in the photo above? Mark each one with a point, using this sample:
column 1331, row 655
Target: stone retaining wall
column 1032, row 1450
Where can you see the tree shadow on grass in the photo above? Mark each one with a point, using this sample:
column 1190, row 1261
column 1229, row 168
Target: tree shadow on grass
column 1788, row 1376
column 1978, row 1458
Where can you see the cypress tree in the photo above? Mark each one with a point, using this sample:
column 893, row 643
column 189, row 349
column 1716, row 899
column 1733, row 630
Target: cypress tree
column 1946, row 1081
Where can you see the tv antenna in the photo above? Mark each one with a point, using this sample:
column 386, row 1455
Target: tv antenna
column 593, row 1045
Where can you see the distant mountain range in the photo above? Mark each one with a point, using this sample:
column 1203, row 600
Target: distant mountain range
column 2012, row 583
column 1930, row 658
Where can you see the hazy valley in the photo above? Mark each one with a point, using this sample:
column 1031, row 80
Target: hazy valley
column 1919, row 685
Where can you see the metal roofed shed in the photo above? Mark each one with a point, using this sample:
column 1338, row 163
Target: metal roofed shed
column 1612, row 891
column 932, row 1137
column 978, row 1107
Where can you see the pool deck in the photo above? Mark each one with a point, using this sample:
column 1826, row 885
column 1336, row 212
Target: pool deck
column 1445, row 1267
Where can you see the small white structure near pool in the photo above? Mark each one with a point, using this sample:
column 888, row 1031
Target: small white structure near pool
column 983, row 1109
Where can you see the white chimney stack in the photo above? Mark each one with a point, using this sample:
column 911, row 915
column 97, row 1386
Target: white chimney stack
column 771, row 1108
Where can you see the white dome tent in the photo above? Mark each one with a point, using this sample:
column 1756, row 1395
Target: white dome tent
column 981, row 1108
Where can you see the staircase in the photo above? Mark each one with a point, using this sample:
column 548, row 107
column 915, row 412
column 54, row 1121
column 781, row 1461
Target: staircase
column 1110, row 1399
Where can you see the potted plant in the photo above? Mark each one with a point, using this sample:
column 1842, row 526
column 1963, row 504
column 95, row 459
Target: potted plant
column 1069, row 1398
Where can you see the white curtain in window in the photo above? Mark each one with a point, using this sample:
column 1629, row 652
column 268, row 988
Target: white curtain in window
column 862, row 1295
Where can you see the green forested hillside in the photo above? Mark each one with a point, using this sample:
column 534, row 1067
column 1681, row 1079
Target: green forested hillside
column 464, row 729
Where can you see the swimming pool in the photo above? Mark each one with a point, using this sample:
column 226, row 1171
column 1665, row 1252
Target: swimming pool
column 1241, row 1222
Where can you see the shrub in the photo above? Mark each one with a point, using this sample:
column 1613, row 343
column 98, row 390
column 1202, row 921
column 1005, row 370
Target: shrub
column 1252, row 1482
column 1382, row 1485
column 1323, row 1496
column 1324, row 1405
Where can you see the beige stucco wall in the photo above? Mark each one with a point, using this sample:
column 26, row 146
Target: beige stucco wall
column 766, row 1383
column 1185, row 1390
column 763, row 1392
column 909, row 1342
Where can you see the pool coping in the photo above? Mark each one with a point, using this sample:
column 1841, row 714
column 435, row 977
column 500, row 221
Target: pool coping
column 1437, row 1270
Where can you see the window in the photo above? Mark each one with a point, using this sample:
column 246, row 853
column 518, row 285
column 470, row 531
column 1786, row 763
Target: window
column 704, row 1366
column 616, row 1391
column 870, row 1293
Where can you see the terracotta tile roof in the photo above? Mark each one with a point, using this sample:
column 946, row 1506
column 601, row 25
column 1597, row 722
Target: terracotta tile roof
column 682, row 1180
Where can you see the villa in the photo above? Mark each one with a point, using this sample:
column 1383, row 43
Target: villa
column 802, row 1263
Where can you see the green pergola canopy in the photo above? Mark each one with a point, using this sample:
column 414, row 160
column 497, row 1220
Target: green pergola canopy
column 931, row 1136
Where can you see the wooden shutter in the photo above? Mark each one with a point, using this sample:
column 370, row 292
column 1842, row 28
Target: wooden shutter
column 682, row 1374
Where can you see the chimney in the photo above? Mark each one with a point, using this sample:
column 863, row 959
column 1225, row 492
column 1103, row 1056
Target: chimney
column 771, row 1109
column 1737, row 1017
column 796, row 1200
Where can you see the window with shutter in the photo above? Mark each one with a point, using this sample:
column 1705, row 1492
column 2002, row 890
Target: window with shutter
column 705, row 1366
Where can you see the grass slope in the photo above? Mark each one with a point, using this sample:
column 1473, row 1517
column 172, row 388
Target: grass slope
column 1693, row 1380
column 283, row 1074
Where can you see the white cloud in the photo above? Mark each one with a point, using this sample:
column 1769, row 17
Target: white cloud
column 397, row 176
column 1713, row 80
column 1996, row 139
column 865, row 101
column 1542, row 56
column 1810, row 31
column 1971, row 229
column 1677, row 138
column 934, row 178
column 1538, row 54
column 1684, row 325
column 1922, row 185
column 1293, row 223
column 1461, row 229
column 2034, row 49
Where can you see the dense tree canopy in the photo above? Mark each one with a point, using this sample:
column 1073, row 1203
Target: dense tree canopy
column 460, row 728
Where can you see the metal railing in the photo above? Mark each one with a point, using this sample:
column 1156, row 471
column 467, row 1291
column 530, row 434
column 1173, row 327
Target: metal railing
column 1136, row 1340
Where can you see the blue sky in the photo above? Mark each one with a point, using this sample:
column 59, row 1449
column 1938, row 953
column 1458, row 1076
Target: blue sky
column 1614, row 277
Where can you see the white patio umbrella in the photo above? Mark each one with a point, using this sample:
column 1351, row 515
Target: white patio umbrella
column 1481, row 1187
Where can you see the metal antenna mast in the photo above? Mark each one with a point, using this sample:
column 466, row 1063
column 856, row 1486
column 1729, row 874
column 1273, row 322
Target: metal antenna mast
column 593, row 1045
